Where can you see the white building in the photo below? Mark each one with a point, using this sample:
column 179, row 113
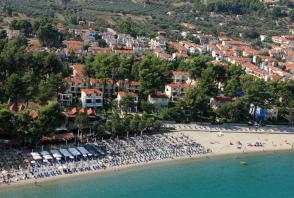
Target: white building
column 122, row 94
column 74, row 85
column 65, row 99
column 159, row 100
column 91, row 98
column 180, row 77
column 175, row 91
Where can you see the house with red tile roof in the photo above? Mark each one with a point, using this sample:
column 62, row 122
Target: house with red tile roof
column 78, row 70
column 180, row 77
column 218, row 101
column 91, row 98
column 176, row 91
column 181, row 49
column 134, row 96
column 76, row 47
column 234, row 43
column 129, row 86
column 158, row 99
column 96, row 50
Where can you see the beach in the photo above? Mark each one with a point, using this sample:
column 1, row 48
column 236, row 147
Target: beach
column 220, row 144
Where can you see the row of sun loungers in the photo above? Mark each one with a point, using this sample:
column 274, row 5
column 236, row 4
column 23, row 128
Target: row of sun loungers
column 95, row 156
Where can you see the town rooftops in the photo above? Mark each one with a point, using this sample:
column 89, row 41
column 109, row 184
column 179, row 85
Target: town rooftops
column 91, row 91
column 74, row 111
column 78, row 68
column 74, row 44
column 123, row 94
column 75, row 80
column 99, row 50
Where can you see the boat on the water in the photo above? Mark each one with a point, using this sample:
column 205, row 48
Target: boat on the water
column 243, row 163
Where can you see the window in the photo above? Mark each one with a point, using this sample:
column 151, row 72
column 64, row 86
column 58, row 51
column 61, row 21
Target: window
column 88, row 101
column 98, row 101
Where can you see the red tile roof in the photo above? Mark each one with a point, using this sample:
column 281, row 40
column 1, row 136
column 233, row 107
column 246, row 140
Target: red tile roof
column 91, row 91
column 123, row 94
column 79, row 68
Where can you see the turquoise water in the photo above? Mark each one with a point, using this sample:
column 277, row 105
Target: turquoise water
column 268, row 176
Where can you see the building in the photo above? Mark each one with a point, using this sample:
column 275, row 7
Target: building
column 12, row 34
column 219, row 101
column 76, row 47
column 91, row 98
column 175, row 91
column 123, row 94
column 158, row 100
column 78, row 70
column 129, row 86
column 74, row 85
column 65, row 99
column 180, row 77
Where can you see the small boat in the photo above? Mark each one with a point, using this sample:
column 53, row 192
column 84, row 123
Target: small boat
column 243, row 163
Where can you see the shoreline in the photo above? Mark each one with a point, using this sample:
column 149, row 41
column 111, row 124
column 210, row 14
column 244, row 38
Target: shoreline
column 31, row 182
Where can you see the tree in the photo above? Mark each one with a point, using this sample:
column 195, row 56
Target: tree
column 129, row 27
column 50, row 117
column 3, row 34
column 210, row 78
column 47, row 33
column 13, row 87
column 172, row 114
column 233, row 84
column 99, row 129
column 24, row 121
column 127, row 103
column 257, row 91
column 154, row 74
column 291, row 15
column 7, row 10
column 251, row 34
column 7, row 122
column 195, row 66
column 196, row 100
column 233, row 112
column 105, row 67
column 44, row 93
column 24, row 26
column 81, row 121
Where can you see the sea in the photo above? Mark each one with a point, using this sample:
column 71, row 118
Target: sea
column 269, row 175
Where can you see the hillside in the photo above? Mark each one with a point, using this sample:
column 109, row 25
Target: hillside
column 210, row 16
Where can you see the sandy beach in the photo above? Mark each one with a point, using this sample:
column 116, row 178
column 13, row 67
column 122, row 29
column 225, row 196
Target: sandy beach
column 221, row 144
